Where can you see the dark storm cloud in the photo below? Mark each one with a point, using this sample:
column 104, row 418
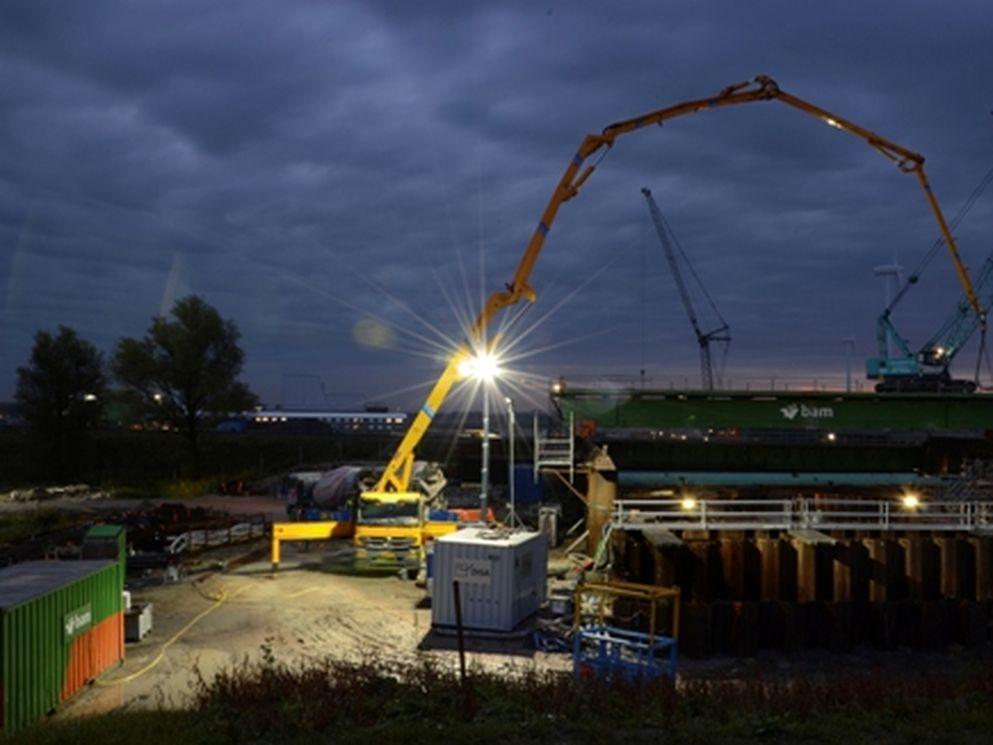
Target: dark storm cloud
column 306, row 165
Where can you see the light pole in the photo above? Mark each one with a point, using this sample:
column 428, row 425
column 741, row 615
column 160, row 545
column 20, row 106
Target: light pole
column 510, row 458
column 484, row 367
column 849, row 343
column 484, row 469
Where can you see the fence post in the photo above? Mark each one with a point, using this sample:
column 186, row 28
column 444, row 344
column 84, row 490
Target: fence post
column 458, row 628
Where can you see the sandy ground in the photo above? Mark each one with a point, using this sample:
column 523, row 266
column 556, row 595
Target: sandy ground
column 311, row 609
column 316, row 607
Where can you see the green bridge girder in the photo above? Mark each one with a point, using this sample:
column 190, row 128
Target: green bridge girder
column 633, row 408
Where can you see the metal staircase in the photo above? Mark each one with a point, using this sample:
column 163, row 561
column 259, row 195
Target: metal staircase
column 974, row 482
column 554, row 450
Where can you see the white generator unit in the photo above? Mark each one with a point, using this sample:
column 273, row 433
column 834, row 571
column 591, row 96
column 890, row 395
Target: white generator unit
column 502, row 577
column 137, row 622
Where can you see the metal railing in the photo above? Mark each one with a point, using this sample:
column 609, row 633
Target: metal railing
column 691, row 382
column 800, row 514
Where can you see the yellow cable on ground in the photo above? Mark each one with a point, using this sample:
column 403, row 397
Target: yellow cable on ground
column 222, row 598
column 302, row 592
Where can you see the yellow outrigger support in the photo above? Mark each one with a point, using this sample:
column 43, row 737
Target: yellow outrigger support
column 376, row 542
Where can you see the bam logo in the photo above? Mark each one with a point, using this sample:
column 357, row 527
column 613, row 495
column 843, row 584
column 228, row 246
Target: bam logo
column 807, row 412
column 77, row 621
column 472, row 571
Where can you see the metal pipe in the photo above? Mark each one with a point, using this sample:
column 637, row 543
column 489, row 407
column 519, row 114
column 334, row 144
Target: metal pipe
column 484, row 470
column 700, row 479
column 510, row 459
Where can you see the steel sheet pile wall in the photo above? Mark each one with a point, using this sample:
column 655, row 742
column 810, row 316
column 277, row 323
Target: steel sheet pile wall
column 502, row 578
column 61, row 625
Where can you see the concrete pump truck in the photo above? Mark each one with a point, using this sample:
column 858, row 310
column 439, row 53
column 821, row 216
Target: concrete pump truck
column 378, row 537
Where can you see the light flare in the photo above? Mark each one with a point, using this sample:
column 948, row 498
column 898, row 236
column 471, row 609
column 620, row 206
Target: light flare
column 910, row 501
column 484, row 366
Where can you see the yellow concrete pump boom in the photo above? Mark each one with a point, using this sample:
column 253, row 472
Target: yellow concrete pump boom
column 396, row 477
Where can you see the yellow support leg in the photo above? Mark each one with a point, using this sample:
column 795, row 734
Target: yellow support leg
column 316, row 531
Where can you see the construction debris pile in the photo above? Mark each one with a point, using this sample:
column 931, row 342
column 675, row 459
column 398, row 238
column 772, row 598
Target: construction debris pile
column 81, row 492
column 161, row 538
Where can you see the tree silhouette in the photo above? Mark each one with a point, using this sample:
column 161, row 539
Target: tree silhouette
column 186, row 369
column 61, row 391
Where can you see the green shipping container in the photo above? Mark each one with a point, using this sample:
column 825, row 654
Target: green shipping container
column 106, row 542
column 61, row 625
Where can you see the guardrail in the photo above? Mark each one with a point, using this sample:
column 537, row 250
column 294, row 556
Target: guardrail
column 800, row 514
column 777, row 383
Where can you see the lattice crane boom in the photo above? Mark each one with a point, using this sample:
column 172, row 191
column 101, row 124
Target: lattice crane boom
column 703, row 338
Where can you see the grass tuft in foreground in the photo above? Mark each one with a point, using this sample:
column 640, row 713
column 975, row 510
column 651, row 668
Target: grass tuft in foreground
column 332, row 701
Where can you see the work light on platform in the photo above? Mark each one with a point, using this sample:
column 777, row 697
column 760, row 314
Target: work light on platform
column 910, row 501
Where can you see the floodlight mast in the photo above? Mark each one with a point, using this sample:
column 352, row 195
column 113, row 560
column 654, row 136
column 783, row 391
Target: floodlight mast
column 396, row 477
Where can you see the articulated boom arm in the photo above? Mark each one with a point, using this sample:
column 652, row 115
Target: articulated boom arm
column 396, row 477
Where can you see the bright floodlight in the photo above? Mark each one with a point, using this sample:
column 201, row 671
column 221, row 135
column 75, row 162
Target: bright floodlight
column 484, row 366
column 911, row 501
column 688, row 504
column 90, row 397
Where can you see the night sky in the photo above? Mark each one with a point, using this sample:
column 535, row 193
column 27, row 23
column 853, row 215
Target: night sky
column 334, row 175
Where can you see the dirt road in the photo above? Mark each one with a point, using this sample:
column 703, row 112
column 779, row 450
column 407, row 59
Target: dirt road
column 311, row 609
